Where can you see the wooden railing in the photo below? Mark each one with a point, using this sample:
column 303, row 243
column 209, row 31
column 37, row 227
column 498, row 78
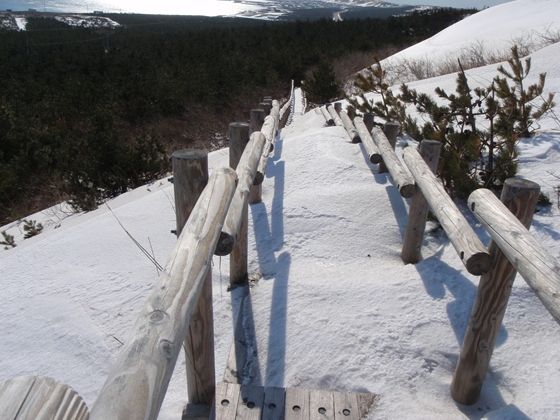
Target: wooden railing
column 512, row 249
column 211, row 214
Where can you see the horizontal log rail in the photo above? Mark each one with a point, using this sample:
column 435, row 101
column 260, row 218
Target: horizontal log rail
column 327, row 116
column 470, row 249
column 349, row 127
column 137, row 383
column 334, row 115
column 540, row 270
column 403, row 181
column 371, row 149
column 246, row 170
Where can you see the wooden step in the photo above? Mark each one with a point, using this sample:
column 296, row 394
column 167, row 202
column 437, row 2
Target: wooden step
column 35, row 397
column 248, row 402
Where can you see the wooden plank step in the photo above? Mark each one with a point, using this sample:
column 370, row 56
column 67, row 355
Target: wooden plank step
column 241, row 402
column 35, row 397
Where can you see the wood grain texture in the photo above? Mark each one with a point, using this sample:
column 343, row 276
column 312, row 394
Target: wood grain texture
column 390, row 130
column 321, row 405
column 35, row 397
column 297, row 404
column 494, row 288
column 190, row 175
column 470, row 249
column 334, row 115
column 418, row 212
column 346, row 406
column 227, row 400
column 137, row 383
column 349, row 127
column 250, row 402
column 273, row 405
column 402, row 179
column 540, row 270
column 365, row 402
column 328, row 118
column 247, row 168
column 371, row 149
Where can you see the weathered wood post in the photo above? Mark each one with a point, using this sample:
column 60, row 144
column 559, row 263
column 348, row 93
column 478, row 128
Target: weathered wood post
column 470, row 249
column 137, row 383
column 418, row 213
column 255, row 124
column 239, row 137
column 190, row 176
column 256, row 120
column 520, row 197
column 368, row 120
column 267, row 106
column 390, row 130
column 338, row 107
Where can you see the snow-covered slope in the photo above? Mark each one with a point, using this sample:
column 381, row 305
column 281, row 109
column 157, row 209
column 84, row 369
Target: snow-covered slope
column 527, row 23
column 336, row 307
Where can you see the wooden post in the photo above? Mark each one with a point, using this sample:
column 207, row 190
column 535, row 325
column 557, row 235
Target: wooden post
column 470, row 249
column 520, row 197
column 402, row 179
column 238, row 139
column 390, row 130
column 371, row 149
column 266, row 106
column 418, row 213
column 256, row 120
column 190, row 176
column 349, row 127
column 137, row 382
column 338, row 107
column 540, row 270
column 255, row 124
column 234, row 232
column 368, row 120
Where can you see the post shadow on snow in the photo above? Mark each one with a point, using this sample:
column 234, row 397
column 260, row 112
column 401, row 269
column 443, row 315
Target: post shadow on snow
column 395, row 198
column 269, row 238
column 438, row 277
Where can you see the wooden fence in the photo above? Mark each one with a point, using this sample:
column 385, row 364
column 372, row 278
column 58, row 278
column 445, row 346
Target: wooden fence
column 211, row 218
column 512, row 249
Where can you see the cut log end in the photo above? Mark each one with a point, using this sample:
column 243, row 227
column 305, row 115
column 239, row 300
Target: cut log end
column 259, row 178
column 479, row 263
column 356, row 138
column 375, row 158
column 225, row 244
column 407, row 190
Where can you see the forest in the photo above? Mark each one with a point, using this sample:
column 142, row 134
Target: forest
column 86, row 114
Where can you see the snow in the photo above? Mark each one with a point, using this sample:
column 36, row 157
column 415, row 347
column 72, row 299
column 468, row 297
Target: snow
column 336, row 308
column 492, row 31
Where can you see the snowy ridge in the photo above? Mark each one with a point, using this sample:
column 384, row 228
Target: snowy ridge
column 336, row 308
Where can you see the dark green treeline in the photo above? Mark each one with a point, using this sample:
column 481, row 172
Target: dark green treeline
column 79, row 108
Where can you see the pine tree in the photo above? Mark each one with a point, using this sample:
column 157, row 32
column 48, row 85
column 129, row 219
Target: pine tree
column 322, row 86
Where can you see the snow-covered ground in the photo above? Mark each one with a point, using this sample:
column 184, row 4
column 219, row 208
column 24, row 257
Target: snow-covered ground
column 336, row 308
